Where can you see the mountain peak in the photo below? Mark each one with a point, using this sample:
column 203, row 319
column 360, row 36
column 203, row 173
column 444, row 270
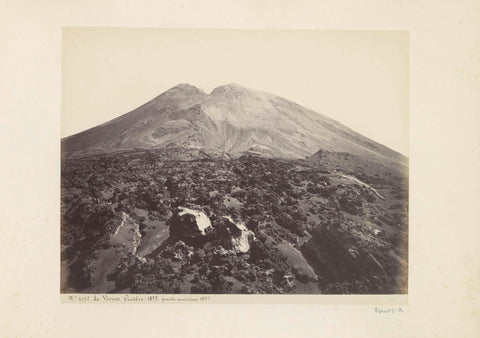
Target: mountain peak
column 230, row 90
column 185, row 87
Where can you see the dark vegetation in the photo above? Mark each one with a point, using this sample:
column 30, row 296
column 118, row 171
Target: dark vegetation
column 316, row 230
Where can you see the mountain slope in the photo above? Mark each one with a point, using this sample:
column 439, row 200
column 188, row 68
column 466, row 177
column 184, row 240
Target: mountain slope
column 231, row 119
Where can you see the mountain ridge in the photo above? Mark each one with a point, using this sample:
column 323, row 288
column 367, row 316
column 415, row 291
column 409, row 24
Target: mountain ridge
column 232, row 119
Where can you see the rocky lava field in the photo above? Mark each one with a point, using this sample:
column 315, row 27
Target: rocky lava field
column 181, row 220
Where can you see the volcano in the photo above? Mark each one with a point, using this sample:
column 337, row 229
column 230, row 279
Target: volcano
column 231, row 120
column 234, row 192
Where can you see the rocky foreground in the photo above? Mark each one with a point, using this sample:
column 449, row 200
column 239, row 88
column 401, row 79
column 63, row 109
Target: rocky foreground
column 184, row 221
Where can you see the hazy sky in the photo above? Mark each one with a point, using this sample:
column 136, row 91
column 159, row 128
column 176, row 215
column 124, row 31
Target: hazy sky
column 357, row 78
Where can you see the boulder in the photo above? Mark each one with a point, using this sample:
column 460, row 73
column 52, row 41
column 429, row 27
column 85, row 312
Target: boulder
column 190, row 226
column 235, row 235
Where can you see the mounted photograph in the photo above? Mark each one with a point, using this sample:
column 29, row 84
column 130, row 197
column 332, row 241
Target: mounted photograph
column 210, row 161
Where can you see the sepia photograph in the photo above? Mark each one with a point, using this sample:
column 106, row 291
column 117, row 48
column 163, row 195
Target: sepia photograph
column 202, row 161
column 240, row 168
